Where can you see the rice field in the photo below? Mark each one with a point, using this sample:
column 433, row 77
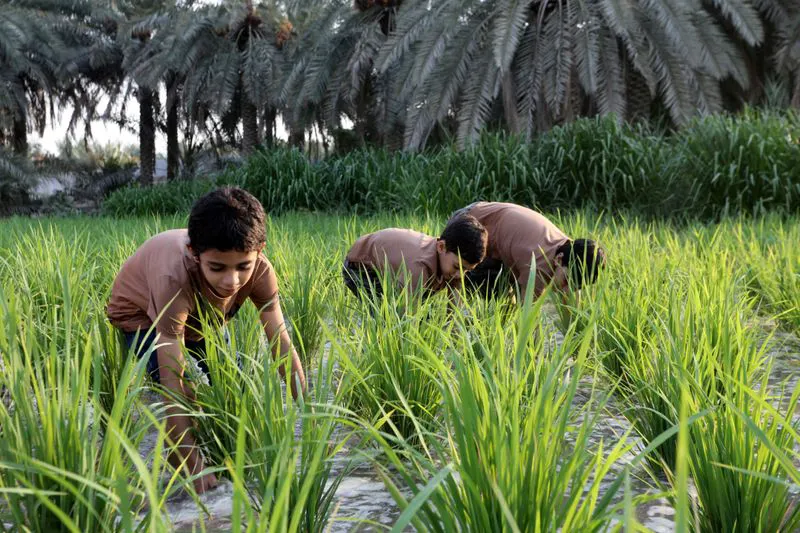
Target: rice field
column 665, row 400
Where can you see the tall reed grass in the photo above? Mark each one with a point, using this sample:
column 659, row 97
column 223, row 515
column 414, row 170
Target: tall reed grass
column 486, row 417
column 717, row 166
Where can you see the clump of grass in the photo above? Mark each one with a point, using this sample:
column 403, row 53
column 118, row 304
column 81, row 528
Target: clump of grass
column 666, row 333
column 741, row 164
column 278, row 454
column 716, row 166
column 627, row 297
column 772, row 259
column 305, row 301
column 386, row 374
column 48, row 269
column 741, row 486
column 518, row 455
column 69, row 458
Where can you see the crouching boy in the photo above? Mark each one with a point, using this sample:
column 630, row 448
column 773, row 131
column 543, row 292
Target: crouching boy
column 217, row 262
column 521, row 240
column 414, row 260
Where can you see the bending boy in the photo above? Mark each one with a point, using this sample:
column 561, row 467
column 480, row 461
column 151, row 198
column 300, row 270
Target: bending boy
column 431, row 263
column 217, row 261
column 521, row 239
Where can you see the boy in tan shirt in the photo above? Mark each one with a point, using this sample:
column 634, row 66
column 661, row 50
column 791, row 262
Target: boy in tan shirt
column 431, row 263
column 217, row 261
column 521, row 239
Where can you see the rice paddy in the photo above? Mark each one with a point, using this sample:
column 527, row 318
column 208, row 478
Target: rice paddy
column 666, row 400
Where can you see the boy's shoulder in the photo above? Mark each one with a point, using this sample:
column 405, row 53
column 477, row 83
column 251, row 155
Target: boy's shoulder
column 167, row 241
column 398, row 234
column 388, row 237
column 165, row 254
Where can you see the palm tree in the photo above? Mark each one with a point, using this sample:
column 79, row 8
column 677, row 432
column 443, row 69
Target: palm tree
column 334, row 72
column 14, row 180
column 30, row 53
column 135, row 49
column 221, row 60
column 545, row 61
column 158, row 61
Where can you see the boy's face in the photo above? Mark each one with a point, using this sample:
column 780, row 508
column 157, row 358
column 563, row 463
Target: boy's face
column 228, row 271
column 449, row 265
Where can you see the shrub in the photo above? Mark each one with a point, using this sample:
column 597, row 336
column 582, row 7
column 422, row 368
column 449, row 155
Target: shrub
column 718, row 165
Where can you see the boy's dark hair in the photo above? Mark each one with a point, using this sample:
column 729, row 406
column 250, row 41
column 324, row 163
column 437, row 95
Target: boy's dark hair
column 225, row 219
column 584, row 258
column 466, row 236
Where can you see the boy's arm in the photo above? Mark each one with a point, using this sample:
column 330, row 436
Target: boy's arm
column 266, row 299
column 278, row 336
column 454, row 296
column 570, row 302
column 179, row 424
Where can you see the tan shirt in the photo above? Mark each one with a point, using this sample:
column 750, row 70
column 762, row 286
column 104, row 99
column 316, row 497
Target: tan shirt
column 520, row 238
column 163, row 269
column 395, row 248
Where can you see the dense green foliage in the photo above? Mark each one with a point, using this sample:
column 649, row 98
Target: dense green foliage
column 718, row 165
column 486, row 418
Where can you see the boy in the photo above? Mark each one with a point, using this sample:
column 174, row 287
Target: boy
column 218, row 262
column 430, row 263
column 521, row 239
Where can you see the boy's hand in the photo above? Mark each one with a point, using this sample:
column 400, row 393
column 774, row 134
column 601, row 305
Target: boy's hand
column 204, row 483
column 275, row 328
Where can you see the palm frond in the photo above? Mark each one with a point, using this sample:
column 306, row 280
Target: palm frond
column 611, row 90
column 557, row 59
column 745, row 19
column 671, row 72
column 412, row 23
column 479, row 94
column 508, row 28
column 260, row 61
column 439, row 91
column 722, row 52
column 226, row 67
column 586, row 46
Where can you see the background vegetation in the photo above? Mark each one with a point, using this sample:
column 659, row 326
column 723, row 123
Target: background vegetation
column 713, row 167
column 338, row 75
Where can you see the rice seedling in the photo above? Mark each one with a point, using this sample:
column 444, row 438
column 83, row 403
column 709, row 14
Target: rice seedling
column 774, row 265
column 385, row 375
column 701, row 340
column 740, row 485
column 280, row 455
column 305, row 300
column 518, row 455
column 724, row 460
column 70, row 459
column 486, row 417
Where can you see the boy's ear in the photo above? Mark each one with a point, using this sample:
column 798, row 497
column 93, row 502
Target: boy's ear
column 441, row 246
column 559, row 259
column 194, row 255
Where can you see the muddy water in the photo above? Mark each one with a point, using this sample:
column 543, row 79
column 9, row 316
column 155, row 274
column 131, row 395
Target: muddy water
column 363, row 504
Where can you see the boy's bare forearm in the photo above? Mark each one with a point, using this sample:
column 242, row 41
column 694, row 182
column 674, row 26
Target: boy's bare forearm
column 179, row 424
column 179, row 433
column 282, row 348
